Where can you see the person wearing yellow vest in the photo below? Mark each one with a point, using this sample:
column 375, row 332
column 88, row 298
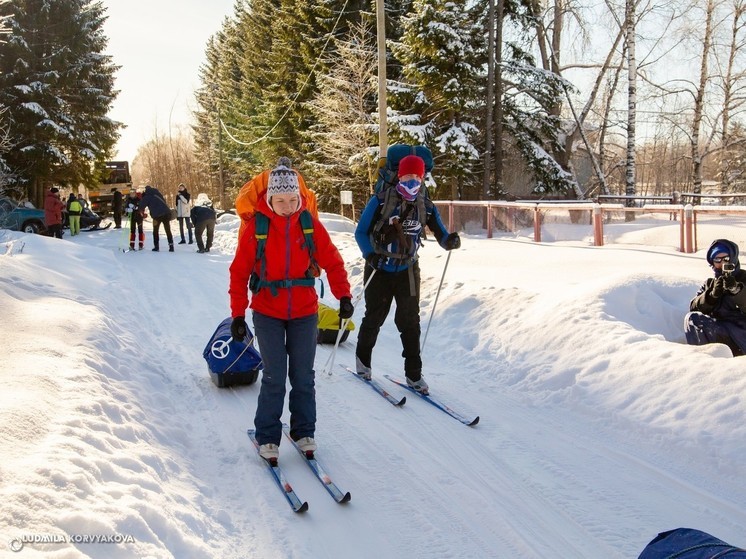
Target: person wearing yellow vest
column 254, row 190
column 74, row 211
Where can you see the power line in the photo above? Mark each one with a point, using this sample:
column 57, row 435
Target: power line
column 295, row 97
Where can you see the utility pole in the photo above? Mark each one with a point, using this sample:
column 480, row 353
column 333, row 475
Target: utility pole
column 382, row 123
column 220, row 160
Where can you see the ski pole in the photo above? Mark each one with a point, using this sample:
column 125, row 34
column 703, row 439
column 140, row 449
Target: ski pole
column 343, row 325
column 432, row 312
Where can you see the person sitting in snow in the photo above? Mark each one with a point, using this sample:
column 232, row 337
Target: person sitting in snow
column 718, row 311
column 285, row 306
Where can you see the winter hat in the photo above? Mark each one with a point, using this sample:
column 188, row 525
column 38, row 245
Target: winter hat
column 412, row 164
column 282, row 180
column 716, row 248
column 54, row 190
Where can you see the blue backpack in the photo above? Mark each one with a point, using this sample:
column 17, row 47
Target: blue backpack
column 686, row 543
column 388, row 174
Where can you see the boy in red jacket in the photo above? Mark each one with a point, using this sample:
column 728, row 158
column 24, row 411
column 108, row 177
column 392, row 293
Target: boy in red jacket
column 285, row 309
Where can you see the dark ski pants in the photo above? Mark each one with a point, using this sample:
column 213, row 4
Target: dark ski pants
column 166, row 221
column 189, row 228
column 136, row 225
column 701, row 329
column 199, row 228
column 384, row 288
column 288, row 350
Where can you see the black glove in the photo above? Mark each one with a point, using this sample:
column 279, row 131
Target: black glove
column 731, row 284
column 376, row 261
column 345, row 308
column 238, row 329
column 452, row 241
column 718, row 288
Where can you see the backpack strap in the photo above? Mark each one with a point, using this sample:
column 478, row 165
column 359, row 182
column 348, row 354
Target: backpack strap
column 261, row 231
column 383, row 233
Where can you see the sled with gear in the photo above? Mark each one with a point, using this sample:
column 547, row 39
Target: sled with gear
column 231, row 363
column 329, row 325
column 687, row 543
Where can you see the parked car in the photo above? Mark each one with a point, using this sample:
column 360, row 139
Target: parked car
column 18, row 216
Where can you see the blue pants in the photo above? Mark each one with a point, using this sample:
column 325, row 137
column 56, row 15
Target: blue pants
column 288, row 350
column 701, row 329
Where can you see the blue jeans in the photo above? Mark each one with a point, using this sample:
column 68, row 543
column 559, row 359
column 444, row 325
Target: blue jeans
column 701, row 329
column 288, row 350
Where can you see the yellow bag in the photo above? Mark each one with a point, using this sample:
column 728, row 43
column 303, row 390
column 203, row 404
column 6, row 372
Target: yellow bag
column 329, row 325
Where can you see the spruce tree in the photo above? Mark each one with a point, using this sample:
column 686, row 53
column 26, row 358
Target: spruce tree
column 439, row 55
column 58, row 86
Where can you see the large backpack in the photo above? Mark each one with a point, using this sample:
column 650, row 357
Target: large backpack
column 388, row 174
column 259, row 281
column 388, row 177
column 253, row 190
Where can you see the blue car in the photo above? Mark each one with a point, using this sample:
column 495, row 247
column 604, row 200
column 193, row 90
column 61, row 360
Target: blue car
column 18, row 217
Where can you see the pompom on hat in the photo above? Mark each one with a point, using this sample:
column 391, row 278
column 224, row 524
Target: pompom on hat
column 282, row 180
column 412, row 164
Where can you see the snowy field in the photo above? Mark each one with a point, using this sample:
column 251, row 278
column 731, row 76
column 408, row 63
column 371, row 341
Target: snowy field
column 599, row 426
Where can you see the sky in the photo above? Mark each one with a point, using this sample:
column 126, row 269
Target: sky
column 599, row 426
column 160, row 46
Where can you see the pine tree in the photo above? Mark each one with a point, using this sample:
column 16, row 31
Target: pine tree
column 440, row 56
column 58, row 86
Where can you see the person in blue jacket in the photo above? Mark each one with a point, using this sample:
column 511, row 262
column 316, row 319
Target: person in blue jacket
column 160, row 212
column 389, row 236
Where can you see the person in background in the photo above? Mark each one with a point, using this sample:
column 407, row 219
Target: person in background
column 285, row 307
column 116, row 208
column 389, row 245
column 203, row 216
column 53, row 207
column 183, row 205
column 74, row 209
column 160, row 212
column 717, row 312
column 135, row 218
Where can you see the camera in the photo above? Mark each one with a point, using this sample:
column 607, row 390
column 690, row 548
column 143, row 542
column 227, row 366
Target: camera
column 728, row 268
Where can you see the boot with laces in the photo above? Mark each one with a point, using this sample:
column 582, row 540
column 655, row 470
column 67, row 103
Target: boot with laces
column 419, row 385
column 307, row 446
column 269, row 451
column 363, row 370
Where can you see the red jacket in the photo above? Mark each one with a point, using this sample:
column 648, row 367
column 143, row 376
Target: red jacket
column 53, row 207
column 286, row 258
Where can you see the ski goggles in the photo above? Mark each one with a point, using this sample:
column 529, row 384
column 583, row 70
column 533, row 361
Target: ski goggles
column 409, row 189
column 719, row 259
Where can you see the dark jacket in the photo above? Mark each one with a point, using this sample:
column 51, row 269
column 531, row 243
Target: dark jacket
column 116, row 205
column 153, row 199
column 200, row 214
column 729, row 307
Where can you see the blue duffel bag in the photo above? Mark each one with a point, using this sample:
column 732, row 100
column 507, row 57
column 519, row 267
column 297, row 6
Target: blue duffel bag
column 230, row 362
column 686, row 543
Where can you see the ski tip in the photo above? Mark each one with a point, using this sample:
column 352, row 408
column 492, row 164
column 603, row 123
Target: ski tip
column 302, row 508
column 473, row 423
column 346, row 498
column 402, row 401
